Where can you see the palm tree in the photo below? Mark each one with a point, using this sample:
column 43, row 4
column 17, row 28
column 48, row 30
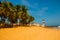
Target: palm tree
column 11, row 12
column 24, row 15
column 7, row 10
column 17, row 12
column 30, row 19
column 0, row 10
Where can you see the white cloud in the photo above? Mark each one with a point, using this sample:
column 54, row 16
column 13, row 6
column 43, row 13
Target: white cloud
column 35, row 5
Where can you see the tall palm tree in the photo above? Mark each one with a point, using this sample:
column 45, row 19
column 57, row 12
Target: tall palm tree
column 0, row 10
column 7, row 10
column 24, row 15
column 7, row 7
column 17, row 12
column 11, row 12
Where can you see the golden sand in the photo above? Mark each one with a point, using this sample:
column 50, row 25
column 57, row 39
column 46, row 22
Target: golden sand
column 29, row 33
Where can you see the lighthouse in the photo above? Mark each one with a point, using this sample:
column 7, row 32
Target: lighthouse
column 43, row 23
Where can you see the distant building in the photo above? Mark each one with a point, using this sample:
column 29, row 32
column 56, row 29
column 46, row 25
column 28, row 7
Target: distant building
column 34, row 24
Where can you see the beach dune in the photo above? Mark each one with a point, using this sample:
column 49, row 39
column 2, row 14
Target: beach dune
column 29, row 33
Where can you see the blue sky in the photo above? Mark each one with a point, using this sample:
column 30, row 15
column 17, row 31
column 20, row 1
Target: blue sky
column 49, row 10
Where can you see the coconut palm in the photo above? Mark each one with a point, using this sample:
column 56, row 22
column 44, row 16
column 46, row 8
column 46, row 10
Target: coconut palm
column 11, row 12
column 30, row 19
column 17, row 12
column 24, row 15
column 7, row 10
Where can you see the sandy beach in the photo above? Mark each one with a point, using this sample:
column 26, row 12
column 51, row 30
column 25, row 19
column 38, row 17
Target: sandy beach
column 29, row 33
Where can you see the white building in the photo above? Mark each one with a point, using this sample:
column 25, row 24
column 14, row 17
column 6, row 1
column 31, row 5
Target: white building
column 34, row 24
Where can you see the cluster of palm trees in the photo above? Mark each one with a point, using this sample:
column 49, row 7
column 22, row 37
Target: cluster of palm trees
column 14, row 14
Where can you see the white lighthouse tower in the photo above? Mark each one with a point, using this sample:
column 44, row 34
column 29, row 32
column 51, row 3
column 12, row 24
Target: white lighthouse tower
column 43, row 23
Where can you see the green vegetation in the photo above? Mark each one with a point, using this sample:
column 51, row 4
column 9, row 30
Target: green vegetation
column 11, row 14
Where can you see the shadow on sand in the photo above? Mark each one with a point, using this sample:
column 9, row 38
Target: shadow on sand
column 12, row 26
